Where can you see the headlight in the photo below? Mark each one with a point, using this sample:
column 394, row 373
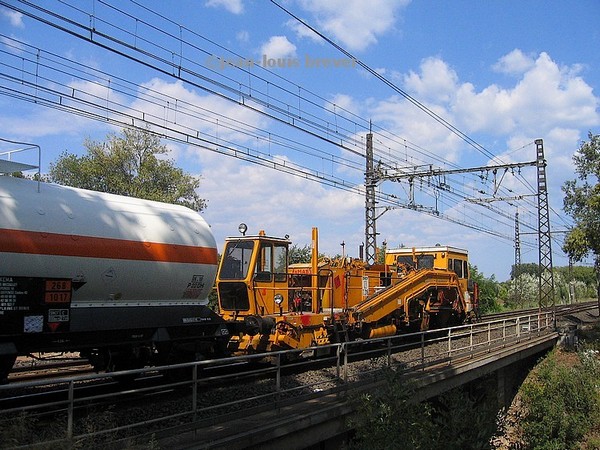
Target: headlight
column 278, row 299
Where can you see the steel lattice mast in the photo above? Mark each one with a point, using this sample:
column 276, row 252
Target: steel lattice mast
column 518, row 288
column 370, row 219
column 546, row 277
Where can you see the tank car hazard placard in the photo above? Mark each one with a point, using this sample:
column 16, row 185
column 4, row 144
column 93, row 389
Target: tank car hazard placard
column 34, row 305
column 57, row 291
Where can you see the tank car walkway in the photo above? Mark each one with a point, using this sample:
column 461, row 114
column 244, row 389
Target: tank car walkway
column 306, row 422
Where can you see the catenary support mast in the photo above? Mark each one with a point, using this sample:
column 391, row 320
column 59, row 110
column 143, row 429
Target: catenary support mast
column 370, row 185
column 546, row 278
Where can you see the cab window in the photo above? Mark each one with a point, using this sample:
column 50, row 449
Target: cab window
column 405, row 260
column 280, row 262
column 425, row 262
column 236, row 260
column 458, row 268
column 272, row 260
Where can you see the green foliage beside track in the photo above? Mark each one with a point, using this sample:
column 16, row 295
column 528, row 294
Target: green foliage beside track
column 562, row 402
column 390, row 420
column 559, row 410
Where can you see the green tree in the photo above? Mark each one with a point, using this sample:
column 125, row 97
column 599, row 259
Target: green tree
column 488, row 290
column 130, row 164
column 579, row 273
column 582, row 203
column 297, row 254
column 528, row 268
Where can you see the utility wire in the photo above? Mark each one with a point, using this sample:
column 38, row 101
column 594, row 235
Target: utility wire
column 312, row 125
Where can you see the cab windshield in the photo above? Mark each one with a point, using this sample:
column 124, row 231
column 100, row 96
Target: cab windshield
column 236, row 260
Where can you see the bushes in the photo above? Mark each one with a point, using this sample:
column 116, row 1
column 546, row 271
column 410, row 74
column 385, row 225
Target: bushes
column 456, row 420
column 559, row 410
column 521, row 291
column 390, row 421
column 562, row 400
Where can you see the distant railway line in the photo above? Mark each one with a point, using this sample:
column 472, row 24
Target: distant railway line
column 559, row 310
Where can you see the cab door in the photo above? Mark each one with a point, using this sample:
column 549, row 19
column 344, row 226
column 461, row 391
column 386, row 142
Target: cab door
column 270, row 281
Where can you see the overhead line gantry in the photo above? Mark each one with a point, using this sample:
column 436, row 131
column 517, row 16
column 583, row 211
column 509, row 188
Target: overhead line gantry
column 374, row 176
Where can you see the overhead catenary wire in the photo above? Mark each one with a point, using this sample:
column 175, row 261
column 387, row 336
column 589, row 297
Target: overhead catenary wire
column 344, row 127
column 390, row 84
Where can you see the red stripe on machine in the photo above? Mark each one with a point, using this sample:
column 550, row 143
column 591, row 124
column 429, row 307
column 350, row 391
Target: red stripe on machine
column 42, row 243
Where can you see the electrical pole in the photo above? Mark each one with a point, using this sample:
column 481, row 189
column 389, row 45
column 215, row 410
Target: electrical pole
column 370, row 219
column 546, row 277
column 517, row 280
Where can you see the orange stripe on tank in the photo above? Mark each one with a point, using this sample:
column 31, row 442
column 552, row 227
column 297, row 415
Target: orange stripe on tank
column 56, row 244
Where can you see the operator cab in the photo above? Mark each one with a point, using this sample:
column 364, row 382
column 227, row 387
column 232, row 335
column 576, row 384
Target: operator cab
column 252, row 278
column 436, row 257
column 440, row 257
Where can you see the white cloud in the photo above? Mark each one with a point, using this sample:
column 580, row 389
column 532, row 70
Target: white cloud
column 356, row 24
column 278, row 47
column 302, row 31
column 545, row 95
column 514, row 63
column 233, row 6
column 436, row 81
column 344, row 105
column 15, row 18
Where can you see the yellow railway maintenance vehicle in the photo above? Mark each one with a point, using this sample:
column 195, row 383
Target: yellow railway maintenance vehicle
column 276, row 306
column 446, row 259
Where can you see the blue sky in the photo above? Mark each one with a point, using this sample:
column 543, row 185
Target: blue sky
column 503, row 73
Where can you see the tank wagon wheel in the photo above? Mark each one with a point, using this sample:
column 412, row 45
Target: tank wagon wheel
column 121, row 361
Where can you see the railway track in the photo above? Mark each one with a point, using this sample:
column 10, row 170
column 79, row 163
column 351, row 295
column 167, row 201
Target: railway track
column 59, row 365
column 244, row 383
column 559, row 310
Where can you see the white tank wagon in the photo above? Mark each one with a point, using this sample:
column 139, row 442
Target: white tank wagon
column 123, row 280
